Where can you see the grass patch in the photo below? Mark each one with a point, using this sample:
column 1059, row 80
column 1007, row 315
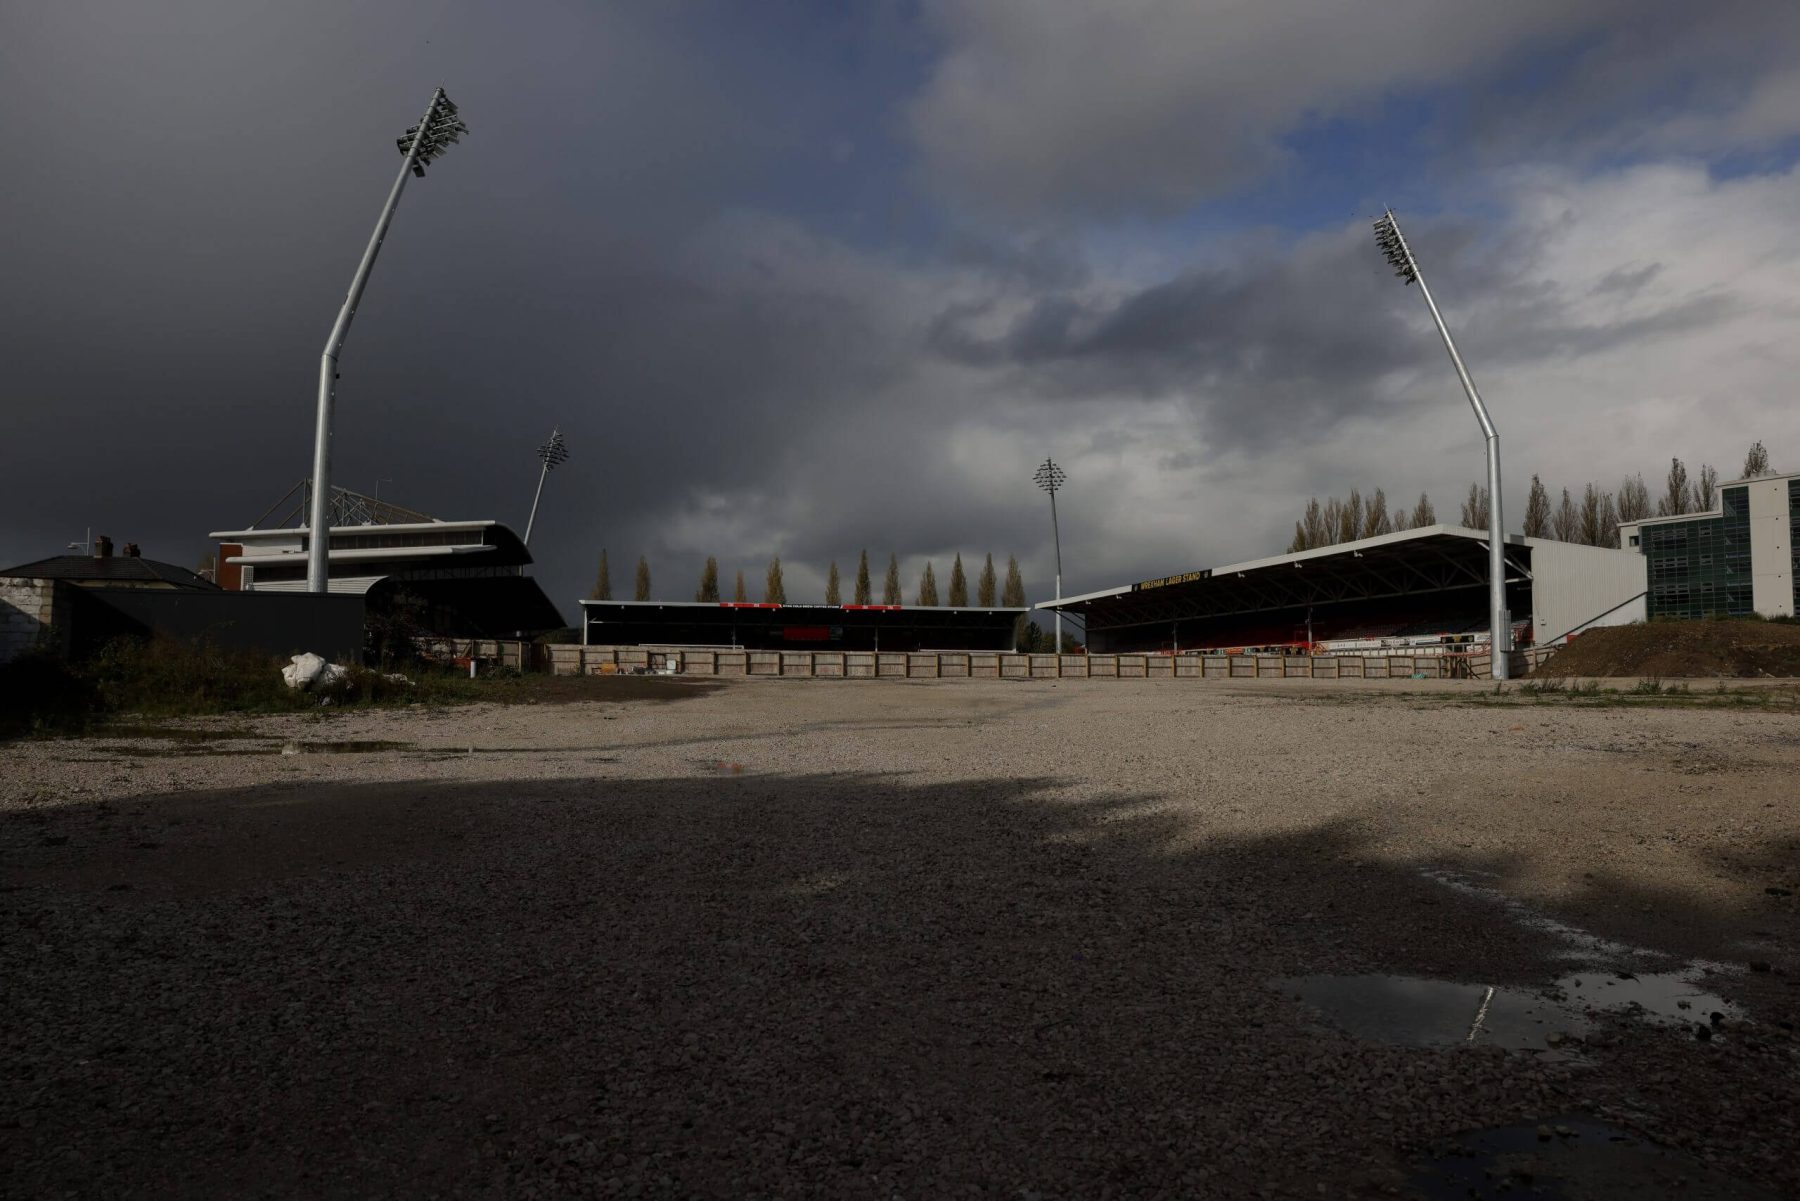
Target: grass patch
column 1644, row 694
column 42, row 693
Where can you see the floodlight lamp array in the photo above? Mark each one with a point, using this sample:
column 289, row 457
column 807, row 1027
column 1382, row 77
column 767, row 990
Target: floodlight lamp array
column 553, row 452
column 1050, row 477
column 443, row 128
column 1393, row 245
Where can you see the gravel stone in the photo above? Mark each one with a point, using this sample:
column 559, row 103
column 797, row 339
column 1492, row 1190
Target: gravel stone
column 870, row 939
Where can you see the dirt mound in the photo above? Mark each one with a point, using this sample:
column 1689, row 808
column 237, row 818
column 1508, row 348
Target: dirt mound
column 1682, row 648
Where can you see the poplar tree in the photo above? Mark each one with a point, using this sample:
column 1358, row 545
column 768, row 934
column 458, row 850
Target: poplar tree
column 1475, row 508
column 863, row 591
column 1677, row 497
column 1375, row 520
column 1609, row 521
column 1595, row 504
column 890, row 588
column 986, row 587
column 773, row 591
column 1334, row 523
column 1423, row 514
column 928, row 594
column 740, row 596
column 959, row 584
column 1537, row 510
column 1634, row 498
column 602, row 581
column 1706, row 489
column 831, row 586
column 1565, row 524
column 1756, row 462
column 643, row 578
column 709, row 582
column 1013, row 595
column 1351, row 517
column 1318, row 527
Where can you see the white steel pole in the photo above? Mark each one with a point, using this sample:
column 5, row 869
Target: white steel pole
column 530, row 521
column 319, row 526
column 1056, row 537
column 1499, row 620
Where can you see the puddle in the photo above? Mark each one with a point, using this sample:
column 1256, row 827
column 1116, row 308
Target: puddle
column 1665, row 998
column 343, row 747
column 1438, row 1013
column 310, row 746
column 1435, row 1013
column 187, row 751
column 1574, row 1159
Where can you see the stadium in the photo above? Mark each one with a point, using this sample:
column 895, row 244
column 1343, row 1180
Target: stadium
column 1419, row 591
column 766, row 626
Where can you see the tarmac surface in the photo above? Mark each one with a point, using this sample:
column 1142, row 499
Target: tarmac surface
column 910, row 939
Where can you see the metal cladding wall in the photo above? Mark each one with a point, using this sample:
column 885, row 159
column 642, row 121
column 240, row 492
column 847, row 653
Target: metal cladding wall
column 1581, row 587
column 278, row 623
column 798, row 627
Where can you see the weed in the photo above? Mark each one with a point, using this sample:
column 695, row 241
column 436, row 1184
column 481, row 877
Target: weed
column 42, row 693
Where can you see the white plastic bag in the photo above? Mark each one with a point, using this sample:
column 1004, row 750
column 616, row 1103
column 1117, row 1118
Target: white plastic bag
column 310, row 671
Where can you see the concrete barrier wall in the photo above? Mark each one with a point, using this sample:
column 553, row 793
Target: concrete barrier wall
column 990, row 665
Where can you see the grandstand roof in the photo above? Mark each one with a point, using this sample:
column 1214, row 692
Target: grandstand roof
column 1429, row 559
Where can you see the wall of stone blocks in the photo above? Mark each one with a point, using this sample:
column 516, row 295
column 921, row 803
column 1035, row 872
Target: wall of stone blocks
column 28, row 613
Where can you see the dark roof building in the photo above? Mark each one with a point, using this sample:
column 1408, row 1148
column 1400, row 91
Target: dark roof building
column 105, row 569
column 465, row 579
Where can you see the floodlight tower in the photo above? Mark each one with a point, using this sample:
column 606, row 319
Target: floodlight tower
column 424, row 142
column 1050, row 477
column 1400, row 258
column 554, row 454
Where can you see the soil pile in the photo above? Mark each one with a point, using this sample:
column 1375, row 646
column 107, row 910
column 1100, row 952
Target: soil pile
column 1682, row 649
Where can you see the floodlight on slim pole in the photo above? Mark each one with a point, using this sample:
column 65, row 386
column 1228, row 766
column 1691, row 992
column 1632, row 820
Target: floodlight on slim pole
column 421, row 144
column 553, row 453
column 1050, row 477
column 1400, row 257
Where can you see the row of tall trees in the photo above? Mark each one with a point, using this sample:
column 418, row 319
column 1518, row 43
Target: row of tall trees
column 989, row 591
column 1590, row 518
column 1352, row 518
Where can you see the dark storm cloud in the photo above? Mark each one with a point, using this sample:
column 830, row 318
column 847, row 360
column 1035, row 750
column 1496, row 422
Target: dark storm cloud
column 1308, row 338
column 199, row 179
column 666, row 235
column 1259, row 346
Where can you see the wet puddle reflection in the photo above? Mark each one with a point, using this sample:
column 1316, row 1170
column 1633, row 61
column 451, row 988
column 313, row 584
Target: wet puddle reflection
column 1437, row 1013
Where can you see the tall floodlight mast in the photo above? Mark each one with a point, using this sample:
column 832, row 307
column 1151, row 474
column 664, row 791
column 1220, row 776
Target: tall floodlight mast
column 1400, row 257
column 1050, row 477
column 423, row 143
column 554, row 454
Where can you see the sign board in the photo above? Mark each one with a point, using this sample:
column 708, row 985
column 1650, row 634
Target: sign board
column 1186, row 577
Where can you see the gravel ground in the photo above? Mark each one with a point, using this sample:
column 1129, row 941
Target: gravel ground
column 814, row 938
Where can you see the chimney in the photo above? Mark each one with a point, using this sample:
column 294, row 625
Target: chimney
column 131, row 550
column 103, row 547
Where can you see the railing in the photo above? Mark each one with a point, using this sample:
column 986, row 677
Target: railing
column 991, row 665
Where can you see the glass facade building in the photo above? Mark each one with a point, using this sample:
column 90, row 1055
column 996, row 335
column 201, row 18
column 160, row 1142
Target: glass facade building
column 1740, row 559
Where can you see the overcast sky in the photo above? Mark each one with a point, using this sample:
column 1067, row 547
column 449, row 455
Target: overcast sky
column 802, row 279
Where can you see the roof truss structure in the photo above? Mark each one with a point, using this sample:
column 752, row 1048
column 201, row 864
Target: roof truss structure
column 346, row 508
column 1407, row 568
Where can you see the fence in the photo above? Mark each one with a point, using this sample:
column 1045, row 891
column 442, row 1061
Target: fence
column 992, row 665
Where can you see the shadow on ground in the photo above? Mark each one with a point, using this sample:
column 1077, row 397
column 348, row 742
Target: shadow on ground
column 747, row 985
